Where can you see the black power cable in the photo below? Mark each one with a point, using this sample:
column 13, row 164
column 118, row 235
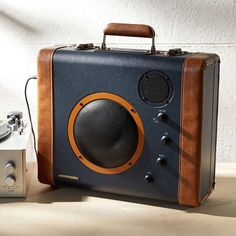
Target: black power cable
column 28, row 108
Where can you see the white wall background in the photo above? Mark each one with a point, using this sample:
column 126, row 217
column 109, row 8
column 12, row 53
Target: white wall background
column 197, row 25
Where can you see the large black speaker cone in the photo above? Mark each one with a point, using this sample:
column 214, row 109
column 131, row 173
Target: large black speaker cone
column 106, row 133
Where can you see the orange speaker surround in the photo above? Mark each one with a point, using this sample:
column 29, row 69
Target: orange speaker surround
column 133, row 113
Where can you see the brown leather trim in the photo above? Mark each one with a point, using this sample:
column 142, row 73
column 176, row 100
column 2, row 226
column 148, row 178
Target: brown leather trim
column 45, row 115
column 132, row 30
column 191, row 129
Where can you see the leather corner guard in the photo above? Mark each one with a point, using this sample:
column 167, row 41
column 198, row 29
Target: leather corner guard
column 191, row 129
column 45, row 115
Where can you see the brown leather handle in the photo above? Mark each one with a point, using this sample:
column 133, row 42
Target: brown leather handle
column 131, row 30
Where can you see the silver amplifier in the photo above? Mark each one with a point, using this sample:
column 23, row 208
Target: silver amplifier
column 15, row 147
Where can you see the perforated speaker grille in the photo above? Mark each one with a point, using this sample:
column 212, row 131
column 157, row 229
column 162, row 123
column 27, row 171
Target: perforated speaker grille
column 155, row 88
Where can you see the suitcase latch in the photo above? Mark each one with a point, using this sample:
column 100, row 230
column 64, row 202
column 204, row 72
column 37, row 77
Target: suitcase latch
column 176, row 52
column 85, row 46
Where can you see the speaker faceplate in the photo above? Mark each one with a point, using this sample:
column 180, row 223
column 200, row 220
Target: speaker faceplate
column 130, row 122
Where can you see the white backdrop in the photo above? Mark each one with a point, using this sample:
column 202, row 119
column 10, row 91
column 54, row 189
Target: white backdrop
column 200, row 25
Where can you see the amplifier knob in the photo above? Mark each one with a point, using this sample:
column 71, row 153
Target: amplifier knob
column 162, row 116
column 148, row 178
column 161, row 161
column 165, row 139
column 10, row 180
column 10, row 167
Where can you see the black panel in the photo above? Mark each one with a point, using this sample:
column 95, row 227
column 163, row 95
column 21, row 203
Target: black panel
column 208, row 86
column 209, row 128
column 80, row 73
column 214, row 123
column 106, row 133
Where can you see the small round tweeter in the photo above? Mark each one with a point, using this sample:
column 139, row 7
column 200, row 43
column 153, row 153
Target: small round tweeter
column 155, row 88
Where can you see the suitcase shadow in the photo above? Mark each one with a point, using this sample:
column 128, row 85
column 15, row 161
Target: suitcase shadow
column 222, row 202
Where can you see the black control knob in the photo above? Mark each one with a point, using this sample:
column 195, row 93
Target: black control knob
column 161, row 116
column 165, row 139
column 148, row 178
column 161, row 161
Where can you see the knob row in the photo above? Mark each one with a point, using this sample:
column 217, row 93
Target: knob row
column 10, row 168
column 163, row 117
column 165, row 140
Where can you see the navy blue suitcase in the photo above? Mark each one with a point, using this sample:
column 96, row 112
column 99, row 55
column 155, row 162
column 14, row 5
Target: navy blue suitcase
column 135, row 122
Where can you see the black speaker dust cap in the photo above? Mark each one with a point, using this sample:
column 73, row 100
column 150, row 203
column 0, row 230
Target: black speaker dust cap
column 105, row 133
column 155, row 89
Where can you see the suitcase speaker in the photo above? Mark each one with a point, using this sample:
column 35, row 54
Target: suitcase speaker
column 135, row 122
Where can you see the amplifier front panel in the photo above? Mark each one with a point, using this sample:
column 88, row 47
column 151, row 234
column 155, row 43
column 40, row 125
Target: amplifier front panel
column 79, row 74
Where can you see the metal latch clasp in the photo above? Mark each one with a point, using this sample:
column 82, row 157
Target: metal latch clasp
column 175, row 52
column 85, row 46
